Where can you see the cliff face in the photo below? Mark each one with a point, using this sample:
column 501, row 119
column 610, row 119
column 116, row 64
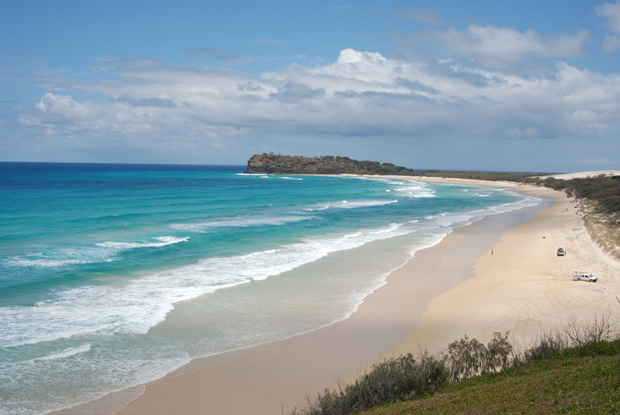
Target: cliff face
column 275, row 164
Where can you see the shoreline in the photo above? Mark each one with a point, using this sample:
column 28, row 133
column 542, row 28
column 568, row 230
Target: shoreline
column 278, row 375
column 401, row 316
column 525, row 288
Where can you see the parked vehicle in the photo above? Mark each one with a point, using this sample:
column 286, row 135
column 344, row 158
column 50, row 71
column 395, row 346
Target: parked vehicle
column 584, row 276
column 561, row 252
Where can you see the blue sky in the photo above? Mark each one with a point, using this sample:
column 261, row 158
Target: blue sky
column 478, row 85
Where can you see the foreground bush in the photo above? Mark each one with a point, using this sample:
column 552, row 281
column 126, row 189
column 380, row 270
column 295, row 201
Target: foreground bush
column 468, row 357
column 408, row 377
column 582, row 380
column 394, row 380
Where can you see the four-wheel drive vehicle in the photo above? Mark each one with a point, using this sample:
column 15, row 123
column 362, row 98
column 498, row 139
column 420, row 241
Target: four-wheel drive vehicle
column 584, row 276
column 560, row 252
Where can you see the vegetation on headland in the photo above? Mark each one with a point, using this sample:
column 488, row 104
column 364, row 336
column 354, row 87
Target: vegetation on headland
column 277, row 164
column 574, row 371
column 269, row 163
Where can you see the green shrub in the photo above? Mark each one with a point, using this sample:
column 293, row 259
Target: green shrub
column 393, row 380
column 548, row 345
column 408, row 377
column 469, row 357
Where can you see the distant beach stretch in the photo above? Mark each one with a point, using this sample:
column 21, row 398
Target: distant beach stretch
column 210, row 292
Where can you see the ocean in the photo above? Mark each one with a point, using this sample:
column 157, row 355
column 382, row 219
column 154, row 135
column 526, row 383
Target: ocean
column 114, row 275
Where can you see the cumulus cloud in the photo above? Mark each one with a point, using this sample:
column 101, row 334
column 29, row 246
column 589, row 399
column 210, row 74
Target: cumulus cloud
column 485, row 84
column 362, row 61
column 62, row 110
column 360, row 94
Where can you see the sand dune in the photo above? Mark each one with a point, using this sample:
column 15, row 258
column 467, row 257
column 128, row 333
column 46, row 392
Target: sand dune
column 584, row 174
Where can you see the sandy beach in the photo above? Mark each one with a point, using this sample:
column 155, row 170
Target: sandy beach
column 499, row 274
column 523, row 287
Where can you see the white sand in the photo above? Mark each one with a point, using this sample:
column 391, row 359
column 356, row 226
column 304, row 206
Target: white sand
column 583, row 174
column 524, row 287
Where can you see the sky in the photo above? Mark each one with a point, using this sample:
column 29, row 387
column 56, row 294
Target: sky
column 444, row 84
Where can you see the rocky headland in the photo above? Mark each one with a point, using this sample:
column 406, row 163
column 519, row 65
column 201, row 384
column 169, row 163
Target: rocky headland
column 278, row 164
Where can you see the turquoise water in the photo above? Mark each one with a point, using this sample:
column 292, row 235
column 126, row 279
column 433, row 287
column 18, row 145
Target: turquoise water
column 114, row 275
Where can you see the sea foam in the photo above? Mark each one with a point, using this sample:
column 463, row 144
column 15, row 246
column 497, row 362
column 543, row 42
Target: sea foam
column 418, row 190
column 345, row 204
column 71, row 351
column 63, row 257
column 161, row 241
column 137, row 306
column 43, row 263
column 241, row 222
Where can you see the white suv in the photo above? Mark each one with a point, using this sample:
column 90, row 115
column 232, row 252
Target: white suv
column 584, row 276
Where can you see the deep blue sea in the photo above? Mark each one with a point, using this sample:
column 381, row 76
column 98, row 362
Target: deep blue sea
column 115, row 275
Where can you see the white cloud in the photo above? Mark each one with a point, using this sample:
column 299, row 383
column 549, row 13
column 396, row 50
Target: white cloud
column 296, row 93
column 611, row 11
column 509, row 45
column 359, row 94
column 62, row 112
column 361, row 60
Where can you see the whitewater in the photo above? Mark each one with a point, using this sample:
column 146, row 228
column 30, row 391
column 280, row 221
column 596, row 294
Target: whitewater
column 114, row 275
